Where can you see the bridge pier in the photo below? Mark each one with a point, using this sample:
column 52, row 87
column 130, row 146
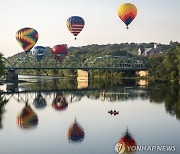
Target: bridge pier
column 142, row 73
column 12, row 75
column 83, row 78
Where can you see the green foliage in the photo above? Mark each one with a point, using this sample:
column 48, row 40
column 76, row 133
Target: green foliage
column 2, row 71
column 3, row 102
column 162, row 66
column 165, row 66
column 167, row 94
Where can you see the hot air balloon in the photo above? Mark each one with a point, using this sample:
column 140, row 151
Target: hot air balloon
column 59, row 103
column 75, row 24
column 27, row 38
column 39, row 52
column 60, row 51
column 27, row 119
column 127, row 12
column 127, row 143
column 75, row 133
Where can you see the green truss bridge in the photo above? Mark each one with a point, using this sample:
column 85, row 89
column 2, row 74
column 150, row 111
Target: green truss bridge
column 107, row 62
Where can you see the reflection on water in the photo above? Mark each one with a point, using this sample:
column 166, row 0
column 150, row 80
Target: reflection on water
column 3, row 102
column 13, row 87
column 27, row 118
column 39, row 102
column 127, row 143
column 59, row 103
column 169, row 95
column 75, row 133
column 103, row 111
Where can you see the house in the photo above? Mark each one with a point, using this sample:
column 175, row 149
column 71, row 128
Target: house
column 148, row 51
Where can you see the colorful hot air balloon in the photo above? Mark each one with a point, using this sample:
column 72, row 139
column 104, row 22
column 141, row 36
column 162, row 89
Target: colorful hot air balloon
column 75, row 24
column 60, row 51
column 27, row 38
column 75, row 133
column 39, row 52
column 27, row 118
column 127, row 12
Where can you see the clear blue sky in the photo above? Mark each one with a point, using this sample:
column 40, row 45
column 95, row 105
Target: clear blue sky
column 157, row 21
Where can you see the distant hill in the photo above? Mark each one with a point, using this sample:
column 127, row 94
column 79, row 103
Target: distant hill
column 78, row 55
column 95, row 50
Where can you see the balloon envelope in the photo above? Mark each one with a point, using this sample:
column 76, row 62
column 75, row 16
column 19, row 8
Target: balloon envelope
column 75, row 24
column 128, row 141
column 27, row 38
column 39, row 52
column 60, row 103
column 39, row 102
column 27, row 118
column 60, row 51
column 75, row 133
column 127, row 12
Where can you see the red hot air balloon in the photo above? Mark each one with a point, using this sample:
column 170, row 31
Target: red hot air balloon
column 60, row 51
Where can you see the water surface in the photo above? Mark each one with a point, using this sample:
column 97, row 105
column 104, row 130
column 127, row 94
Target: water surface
column 39, row 117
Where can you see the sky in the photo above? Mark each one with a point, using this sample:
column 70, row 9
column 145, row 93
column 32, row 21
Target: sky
column 156, row 21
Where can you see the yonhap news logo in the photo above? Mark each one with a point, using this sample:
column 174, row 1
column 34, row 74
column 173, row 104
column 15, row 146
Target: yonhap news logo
column 121, row 148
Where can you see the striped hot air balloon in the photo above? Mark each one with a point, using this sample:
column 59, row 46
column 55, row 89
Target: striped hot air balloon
column 75, row 24
column 27, row 38
column 27, row 119
column 127, row 12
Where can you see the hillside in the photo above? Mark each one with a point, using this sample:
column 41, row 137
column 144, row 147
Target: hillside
column 95, row 50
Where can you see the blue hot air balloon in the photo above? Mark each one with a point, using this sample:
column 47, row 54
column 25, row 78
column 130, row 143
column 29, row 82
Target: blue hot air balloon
column 39, row 52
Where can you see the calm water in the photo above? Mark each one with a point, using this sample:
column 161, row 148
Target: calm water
column 61, row 116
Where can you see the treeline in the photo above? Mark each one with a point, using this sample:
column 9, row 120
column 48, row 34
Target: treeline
column 165, row 67
column 123, row 49
column 162, row 65
column 2, row 71
column 95, row 50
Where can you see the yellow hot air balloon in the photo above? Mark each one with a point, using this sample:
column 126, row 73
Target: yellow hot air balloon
column 127, row 12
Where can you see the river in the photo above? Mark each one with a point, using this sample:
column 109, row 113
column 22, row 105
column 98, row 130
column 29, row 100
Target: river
column 47, row 115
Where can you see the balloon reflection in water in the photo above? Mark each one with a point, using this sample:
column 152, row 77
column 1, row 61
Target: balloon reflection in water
column 59, row 103
column 127, row 142
column 27, row 118
column 39, row 102
column 75, row 133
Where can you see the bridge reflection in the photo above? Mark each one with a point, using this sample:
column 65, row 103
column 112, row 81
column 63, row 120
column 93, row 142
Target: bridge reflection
column 60, row 98
column 73, row 95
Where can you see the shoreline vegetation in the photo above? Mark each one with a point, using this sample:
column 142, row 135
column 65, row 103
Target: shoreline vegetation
column 163, row 65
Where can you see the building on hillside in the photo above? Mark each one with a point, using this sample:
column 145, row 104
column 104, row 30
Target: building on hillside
column 149, row 51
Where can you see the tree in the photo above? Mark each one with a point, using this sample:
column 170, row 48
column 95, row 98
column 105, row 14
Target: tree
column 2, row 70
column 172, row 63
